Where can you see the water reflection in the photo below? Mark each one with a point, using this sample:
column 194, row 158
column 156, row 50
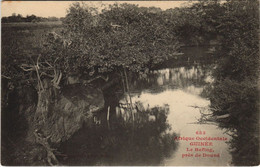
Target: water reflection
column 190, row 78
column 166, row 103
column 139, row 142
column 182, row 116
column 181, row 89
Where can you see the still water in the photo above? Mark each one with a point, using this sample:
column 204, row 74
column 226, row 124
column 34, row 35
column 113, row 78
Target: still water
column 172, row 97
column 181, row 89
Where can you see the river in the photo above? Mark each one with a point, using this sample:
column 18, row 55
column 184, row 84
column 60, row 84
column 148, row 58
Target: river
column 179, row 85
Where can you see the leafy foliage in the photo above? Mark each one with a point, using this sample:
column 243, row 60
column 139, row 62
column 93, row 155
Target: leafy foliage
column 235, row 89
column 122, row 36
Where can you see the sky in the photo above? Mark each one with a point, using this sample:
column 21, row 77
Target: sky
column 59, row 8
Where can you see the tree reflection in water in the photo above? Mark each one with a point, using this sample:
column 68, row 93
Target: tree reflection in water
column 146, row 142
column 186, row 77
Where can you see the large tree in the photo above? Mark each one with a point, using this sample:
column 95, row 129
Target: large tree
column 118, row 38
column 121, row 36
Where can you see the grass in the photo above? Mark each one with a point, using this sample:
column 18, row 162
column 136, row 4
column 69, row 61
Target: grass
column 25, row 39
column 26, row 26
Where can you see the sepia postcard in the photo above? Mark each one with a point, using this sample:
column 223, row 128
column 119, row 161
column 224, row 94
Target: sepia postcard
column 130, row 83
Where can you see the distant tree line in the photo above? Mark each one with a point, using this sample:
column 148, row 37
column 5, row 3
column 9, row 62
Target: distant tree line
column 16, row 18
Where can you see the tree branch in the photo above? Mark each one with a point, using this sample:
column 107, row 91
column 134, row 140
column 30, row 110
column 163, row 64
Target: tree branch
column 5, row 76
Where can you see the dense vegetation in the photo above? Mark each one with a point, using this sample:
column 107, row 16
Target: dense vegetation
column 235, row 91
column 126, row 37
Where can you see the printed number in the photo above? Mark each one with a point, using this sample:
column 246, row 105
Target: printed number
column 200, row 132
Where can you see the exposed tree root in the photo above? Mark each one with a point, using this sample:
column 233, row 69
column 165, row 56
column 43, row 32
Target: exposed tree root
column 207, row 116
column 51, row 158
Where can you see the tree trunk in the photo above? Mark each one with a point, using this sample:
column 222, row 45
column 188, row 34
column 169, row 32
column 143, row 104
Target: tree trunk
column 43, row 105
column 46, row 97
column 128, row 91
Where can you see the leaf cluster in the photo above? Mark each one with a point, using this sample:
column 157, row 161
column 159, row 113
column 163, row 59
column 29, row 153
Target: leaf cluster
column 121, row 36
